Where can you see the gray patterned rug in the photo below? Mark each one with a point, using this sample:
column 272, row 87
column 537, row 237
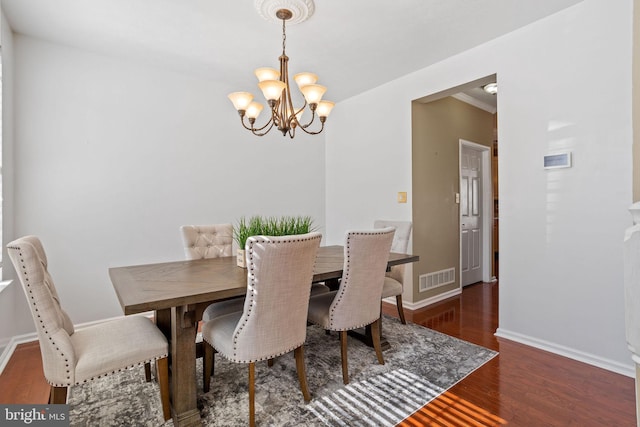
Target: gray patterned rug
column 420, row 365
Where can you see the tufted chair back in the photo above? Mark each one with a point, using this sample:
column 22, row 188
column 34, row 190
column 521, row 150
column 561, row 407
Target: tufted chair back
column 71, row 357
column 357, row 302
column 207, row 241
column 52, row 322
column 400, row 244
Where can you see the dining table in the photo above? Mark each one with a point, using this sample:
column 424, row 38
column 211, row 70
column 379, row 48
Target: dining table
column 179, row 291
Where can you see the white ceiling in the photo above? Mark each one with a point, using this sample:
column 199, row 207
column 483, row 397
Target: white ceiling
column 352, row 45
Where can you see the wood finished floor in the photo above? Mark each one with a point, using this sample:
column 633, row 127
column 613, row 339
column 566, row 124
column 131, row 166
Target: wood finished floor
column 522, row 386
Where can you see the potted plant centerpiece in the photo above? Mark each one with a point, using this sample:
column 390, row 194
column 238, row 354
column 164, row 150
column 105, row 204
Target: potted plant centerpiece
column 268, row 226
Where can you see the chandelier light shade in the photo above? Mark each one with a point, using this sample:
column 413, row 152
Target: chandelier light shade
column 274, row 85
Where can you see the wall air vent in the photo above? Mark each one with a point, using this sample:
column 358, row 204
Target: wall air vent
column 437, row 278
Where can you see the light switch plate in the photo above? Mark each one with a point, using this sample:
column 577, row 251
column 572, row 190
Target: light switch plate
column 402, row 197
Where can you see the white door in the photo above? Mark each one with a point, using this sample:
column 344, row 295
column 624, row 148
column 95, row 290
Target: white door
column 470, row 215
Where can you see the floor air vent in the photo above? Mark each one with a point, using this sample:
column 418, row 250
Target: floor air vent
column 437, row 278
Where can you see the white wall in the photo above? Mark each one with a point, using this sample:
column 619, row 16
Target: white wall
column 15, row 318
column 565, row 83
column 112, row 157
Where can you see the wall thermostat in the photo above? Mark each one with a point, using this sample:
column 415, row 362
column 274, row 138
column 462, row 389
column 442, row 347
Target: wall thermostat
column 559, row 160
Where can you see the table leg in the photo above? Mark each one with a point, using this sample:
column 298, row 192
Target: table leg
column 163, row 322
column 364, row 335
column 333, row 284
column 184, row 409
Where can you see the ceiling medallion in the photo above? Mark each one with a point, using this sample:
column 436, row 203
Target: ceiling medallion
column 300, row 10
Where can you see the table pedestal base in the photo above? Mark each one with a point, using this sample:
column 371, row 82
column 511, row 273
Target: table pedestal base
column 364, row 335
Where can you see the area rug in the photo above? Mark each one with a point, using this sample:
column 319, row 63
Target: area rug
column 420, row 365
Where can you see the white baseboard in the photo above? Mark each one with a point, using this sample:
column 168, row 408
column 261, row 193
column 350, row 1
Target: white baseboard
column 588, row 358
column 429, row 301
column 11, row 344
column 4, row 284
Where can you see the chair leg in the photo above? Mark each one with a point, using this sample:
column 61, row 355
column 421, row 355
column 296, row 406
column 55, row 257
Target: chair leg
column 302, row 374
column 270, row 362
column 400, row 309
column 147, row 372
column 208, row 365
column 252, row 394
column 343, row 354
column 58, row 395
column 162, row 372
column 375, row 336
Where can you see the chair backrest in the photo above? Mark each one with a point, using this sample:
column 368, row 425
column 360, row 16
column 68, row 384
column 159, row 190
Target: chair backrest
column 357, row 302
column 52, row 322
column 207, row 241
column 279, row 275
column 400, row 243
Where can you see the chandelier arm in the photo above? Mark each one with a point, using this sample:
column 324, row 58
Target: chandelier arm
column 313, row 133
column 313, row 117
column 252, row 128
column 253, row 131
column 287, row 111
column 278, row 117
column 292, row 132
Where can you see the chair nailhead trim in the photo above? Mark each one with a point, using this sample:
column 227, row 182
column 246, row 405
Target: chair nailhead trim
column 345, row 276
column 56, row 346
column 251, row 296
column 33, row 302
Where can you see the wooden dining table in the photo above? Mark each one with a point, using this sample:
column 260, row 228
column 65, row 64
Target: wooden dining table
column 179, row 292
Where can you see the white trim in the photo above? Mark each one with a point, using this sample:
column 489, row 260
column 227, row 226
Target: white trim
column 475, row 102
column 11, row 347
column 4, row 284
column 591, row 359
column 12, row 343
column 432, row 300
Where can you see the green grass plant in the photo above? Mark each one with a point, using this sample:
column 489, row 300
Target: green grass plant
column 271, row 226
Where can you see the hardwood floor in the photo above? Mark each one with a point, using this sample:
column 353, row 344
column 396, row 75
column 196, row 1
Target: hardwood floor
column 522, row 386
column 22, row 380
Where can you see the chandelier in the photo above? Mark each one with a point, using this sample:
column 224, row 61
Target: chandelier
column 274, row 85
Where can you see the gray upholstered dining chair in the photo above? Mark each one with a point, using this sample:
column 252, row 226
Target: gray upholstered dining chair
column 394, row 281
column 71, row 357
column 274, row 317
column 356, row 303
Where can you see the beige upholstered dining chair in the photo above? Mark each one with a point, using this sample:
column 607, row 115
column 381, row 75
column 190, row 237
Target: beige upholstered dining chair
column 207, row 241
column 394, row 281
column 71, row 357
column 274, row 317
column 356, row 303
column 212, row 241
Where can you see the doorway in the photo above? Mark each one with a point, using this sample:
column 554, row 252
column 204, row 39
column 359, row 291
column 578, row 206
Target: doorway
column 439, row 122
column 476, row 213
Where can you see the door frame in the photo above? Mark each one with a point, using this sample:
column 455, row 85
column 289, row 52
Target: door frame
column 487, row 208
